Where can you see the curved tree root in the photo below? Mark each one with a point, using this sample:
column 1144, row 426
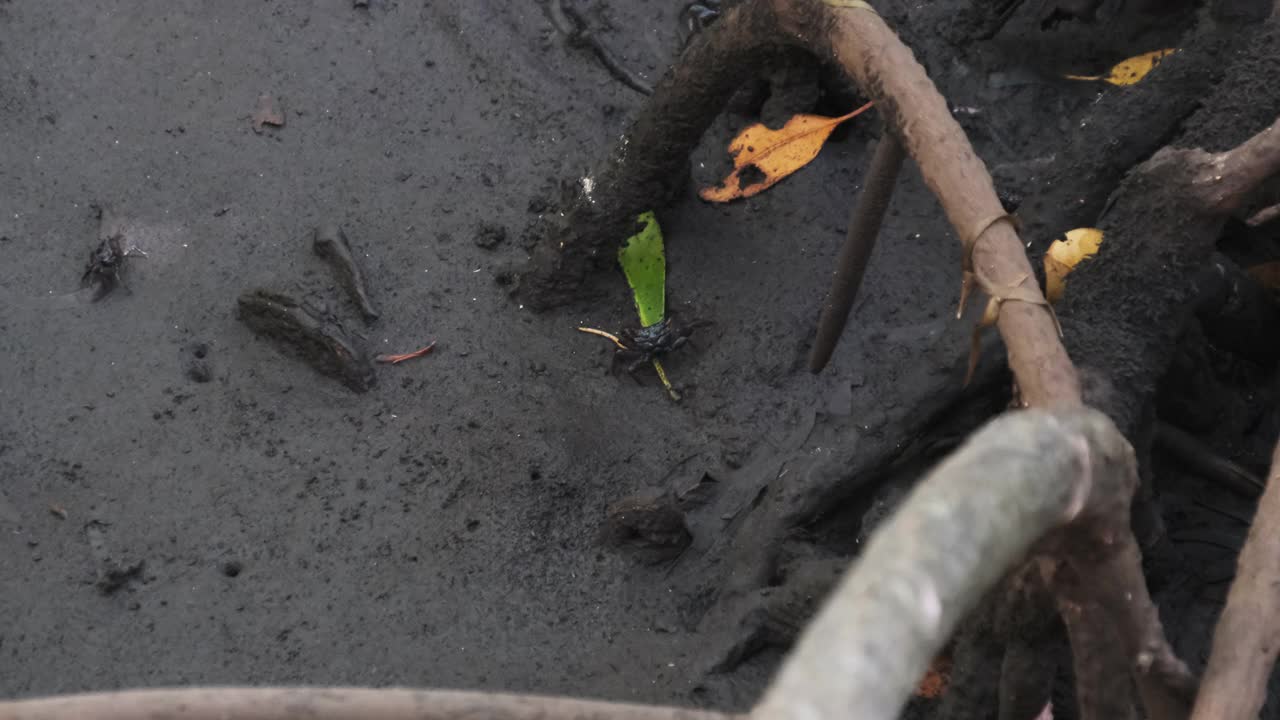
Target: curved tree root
column 331, row 703
column 1247, row 637
column 1049, row 482
column 886, row 70
column 649, row 165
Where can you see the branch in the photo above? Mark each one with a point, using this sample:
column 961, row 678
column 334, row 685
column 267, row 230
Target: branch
column 972, row 520
column 1247, row 637
column 886, row 70
column 1162, row 226
column 1114, row 627
column 1224, row 180
column 334, row 703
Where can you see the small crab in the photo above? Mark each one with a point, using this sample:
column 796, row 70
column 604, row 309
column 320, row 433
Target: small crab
column 696, row 16
column 639, row 346
column 106, row 263
column 636, row 347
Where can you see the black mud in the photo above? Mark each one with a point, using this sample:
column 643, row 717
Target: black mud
column 183, row 503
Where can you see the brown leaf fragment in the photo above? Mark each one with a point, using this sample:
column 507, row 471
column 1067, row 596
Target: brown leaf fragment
column 267, row 113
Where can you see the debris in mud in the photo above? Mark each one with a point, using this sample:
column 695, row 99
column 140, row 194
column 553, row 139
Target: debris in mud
column 318, row 340
column 1053, row 13
column 114, row 572
column 117, row 576
column 653, row 528
column 197, row 366
column 331, row 244
column 490, row 236
column 396, row 359
column 570, row 22
column 267, row 113
column 772, row 617
column 106, row 261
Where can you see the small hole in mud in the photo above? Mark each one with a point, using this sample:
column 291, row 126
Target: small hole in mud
column 472, row 525
column 751, row 175
column 231, row 568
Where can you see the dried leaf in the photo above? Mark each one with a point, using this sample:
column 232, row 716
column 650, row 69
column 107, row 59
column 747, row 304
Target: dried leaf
column 935, row 680
column 1064, row 255
column 396, row 359
column 267, row 113
column 1128, row 72
column 1267, row 275
column 644, row 262
column 762, row 157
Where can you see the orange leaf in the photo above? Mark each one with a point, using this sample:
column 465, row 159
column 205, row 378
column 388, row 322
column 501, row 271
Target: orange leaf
column 762, row 157
column 935, row 681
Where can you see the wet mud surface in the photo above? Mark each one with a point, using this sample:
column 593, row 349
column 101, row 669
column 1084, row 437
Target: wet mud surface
column 183, row 503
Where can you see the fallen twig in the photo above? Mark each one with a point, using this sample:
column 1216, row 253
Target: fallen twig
column 1247, row 637
column 610, row 336
column 574, row 26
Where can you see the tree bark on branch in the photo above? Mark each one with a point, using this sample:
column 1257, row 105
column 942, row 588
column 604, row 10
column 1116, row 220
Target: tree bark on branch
column 1247, row 637
column 1027, row 479
column 884, row 68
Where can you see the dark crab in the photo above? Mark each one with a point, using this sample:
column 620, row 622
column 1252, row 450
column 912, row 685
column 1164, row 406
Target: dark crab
column 637, row 347
column 106, row 262
column 696, row 16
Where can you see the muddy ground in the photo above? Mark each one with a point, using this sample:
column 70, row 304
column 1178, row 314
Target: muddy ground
column 267, row 525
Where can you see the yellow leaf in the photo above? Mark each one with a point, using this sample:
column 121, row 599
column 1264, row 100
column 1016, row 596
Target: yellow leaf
column 762, row 157
column 1064, row 255
column 1128, row 72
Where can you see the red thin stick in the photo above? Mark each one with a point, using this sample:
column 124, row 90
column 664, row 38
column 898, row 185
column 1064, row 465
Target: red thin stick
column 397, row 359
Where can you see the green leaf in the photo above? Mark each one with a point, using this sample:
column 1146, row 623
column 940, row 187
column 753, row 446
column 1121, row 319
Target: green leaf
column 645, row 263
